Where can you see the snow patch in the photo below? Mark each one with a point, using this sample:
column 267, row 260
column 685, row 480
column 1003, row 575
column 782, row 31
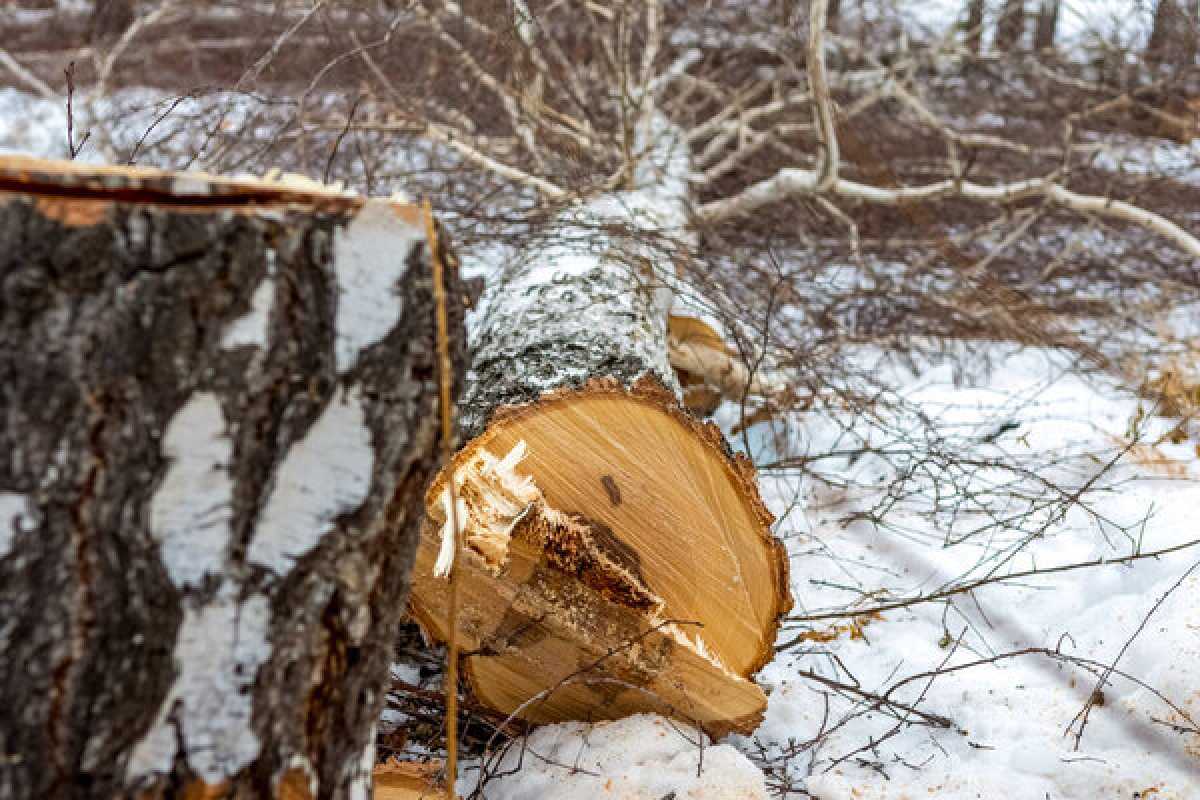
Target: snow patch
column 1008, row 718
column 218, row 652
column 14, row 508
column 31, row 124
column 370, row 257
column 325, row 474
column 190, row 514
column 643, row 757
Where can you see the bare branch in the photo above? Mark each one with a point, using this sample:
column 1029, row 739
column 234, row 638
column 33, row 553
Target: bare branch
column 822, row 102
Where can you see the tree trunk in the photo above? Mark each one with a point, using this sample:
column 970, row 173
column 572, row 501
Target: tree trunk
column 975, row 10
column 1047, row 25
column 619, row 558
column 218, row 422
column 109, row 19
column 1173, row 36
column 1010, row 28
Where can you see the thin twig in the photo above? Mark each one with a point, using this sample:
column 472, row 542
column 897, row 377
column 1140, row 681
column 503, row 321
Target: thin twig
column 71, row 148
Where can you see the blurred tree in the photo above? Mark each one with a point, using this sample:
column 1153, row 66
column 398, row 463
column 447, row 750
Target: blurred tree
column 975, row 10
column 1010, row 27
column 1047, row 25
column 109, row 18
column 1173, row 37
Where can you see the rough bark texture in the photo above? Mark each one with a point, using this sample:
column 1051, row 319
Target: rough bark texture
column 566, row 315
column 1010, row 27
column 1047, row 25
column 974, row 25
column 1173, row 36
column 216, row 428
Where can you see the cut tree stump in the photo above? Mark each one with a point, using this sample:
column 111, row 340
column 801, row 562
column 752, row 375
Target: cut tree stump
column 618, row 557
column 218, row 407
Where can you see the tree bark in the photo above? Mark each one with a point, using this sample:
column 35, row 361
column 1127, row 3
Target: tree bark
column 1173, row 36
column 219, row 418
column 975, row 10
column 109, row 19
column 1010, row 28
column 619, row 558
column 1047, row 25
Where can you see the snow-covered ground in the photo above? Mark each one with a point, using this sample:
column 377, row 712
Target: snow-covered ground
column 1125, row 23
column 643, row 757
column 1013, row 718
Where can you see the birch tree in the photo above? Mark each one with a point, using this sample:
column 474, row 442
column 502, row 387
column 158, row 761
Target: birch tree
column 217, row 425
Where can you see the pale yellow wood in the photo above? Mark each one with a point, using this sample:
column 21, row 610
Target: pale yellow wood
column 84, row 185
column 406, row 780
column 663, row 486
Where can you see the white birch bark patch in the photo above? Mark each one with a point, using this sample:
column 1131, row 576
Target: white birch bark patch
column 220, row 645
column 218, row 652
column 14, row 508
column 324, row 475
column 190, row 513
column 370, row 256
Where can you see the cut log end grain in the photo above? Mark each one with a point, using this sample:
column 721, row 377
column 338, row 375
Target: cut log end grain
column 618, row 559
column 409, row 780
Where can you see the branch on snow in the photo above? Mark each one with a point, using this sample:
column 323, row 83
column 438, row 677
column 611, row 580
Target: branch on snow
column 788, row 183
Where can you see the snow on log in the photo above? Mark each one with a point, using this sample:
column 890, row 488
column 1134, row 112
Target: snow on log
column 217, row 422
column 619, row 557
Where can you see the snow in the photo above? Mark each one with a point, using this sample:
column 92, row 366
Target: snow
column 218, row 652
column 1151, row 157
column 643, row 757
column 1123, row 22
column 13, row 509
column 324, row 475
column 191, row 511
column 1011, row 721
column 370, row 256
column 32, row 125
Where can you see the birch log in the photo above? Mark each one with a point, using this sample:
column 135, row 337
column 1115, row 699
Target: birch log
column 218, row 420
column 619, row 557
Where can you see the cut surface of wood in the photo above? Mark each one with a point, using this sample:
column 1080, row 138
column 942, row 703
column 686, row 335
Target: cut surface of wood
column 618, row 560
column 50, row 179
column 409, row 780
column 701, row 357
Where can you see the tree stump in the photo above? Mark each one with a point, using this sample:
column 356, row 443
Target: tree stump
column 219, row 419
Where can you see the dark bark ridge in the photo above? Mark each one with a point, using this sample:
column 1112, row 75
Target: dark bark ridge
column 216, row 428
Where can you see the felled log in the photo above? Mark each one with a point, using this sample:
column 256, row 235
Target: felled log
column 618, row 557
column 218, row 420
